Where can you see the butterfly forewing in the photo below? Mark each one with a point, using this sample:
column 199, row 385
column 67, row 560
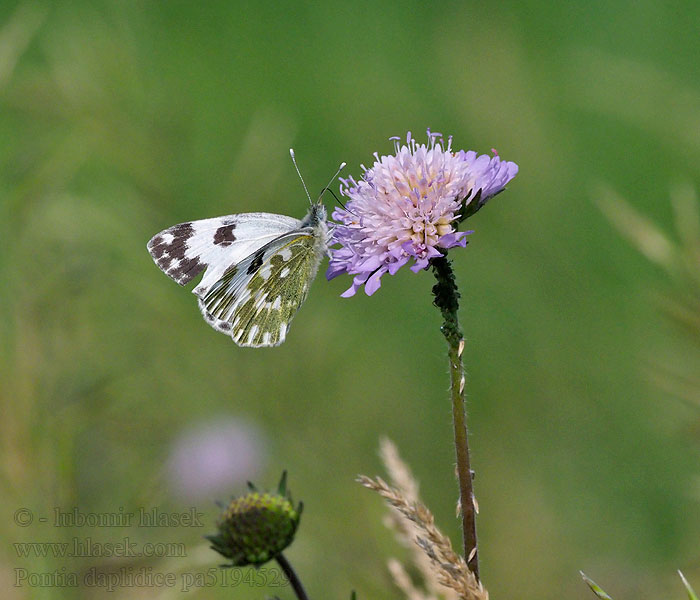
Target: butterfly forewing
column 256, row 299
column 185, row 250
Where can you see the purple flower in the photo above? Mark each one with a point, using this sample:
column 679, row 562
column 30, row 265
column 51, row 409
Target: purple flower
column 213, row 457
column 406, row 208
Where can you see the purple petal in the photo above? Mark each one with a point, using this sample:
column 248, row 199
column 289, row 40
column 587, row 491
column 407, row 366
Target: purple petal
column 351, row 290
column 420, row 265
column 395, row 266
column 370, row 264
column 334, row 269
column 450, row 240
column 374, row 282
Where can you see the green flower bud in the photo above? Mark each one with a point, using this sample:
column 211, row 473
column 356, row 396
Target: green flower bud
column 256, row 527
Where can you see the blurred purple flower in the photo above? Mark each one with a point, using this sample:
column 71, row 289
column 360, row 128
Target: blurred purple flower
column 406, row 208
column 215, row 457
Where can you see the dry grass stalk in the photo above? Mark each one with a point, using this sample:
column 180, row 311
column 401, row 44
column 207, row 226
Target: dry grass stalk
column 400, row 474
column 445, row 573
column 403, row 581
column 405, row 531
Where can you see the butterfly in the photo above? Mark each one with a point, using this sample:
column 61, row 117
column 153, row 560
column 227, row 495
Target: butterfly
column 259, row 267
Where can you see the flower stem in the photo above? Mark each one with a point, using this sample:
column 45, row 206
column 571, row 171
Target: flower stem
column 292, row 577
column 447, row 300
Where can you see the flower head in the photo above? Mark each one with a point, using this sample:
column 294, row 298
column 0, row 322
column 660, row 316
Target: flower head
column 213, row 456
column 407, row 206
column 256, row 527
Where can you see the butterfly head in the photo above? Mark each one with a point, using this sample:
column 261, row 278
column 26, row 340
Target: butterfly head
column 316, row 215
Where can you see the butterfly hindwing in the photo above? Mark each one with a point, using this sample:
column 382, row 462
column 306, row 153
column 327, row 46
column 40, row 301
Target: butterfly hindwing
column 256, row 299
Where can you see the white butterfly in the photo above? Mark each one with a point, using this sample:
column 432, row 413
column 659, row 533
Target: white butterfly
column 259, row 267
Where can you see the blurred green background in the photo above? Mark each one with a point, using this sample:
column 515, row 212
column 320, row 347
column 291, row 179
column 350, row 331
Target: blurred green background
column 120, row 119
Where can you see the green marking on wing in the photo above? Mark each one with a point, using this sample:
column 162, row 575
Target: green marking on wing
column 260, row 305
column 264, row 318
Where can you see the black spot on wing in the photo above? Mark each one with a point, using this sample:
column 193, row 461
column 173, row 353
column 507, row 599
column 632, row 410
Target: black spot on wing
column 181, row 234
column 168, row 250
column 224, row 235
column 186, row 270
column 256, row 263
column 157, row 247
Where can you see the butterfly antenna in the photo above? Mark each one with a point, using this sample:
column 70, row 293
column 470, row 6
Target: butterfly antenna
column 294, row 160
column 339, row 201
column 328, row 185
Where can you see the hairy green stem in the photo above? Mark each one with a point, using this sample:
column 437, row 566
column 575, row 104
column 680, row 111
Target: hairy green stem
column 292, row 577
column 447, row 300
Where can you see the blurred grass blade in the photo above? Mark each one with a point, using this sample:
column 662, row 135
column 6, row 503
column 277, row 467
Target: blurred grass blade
column 639, row 231
column 595, row 587
column 684, row 201
column 16, row 34
column 691, row 593
column 686, row 213
column 685, row 313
